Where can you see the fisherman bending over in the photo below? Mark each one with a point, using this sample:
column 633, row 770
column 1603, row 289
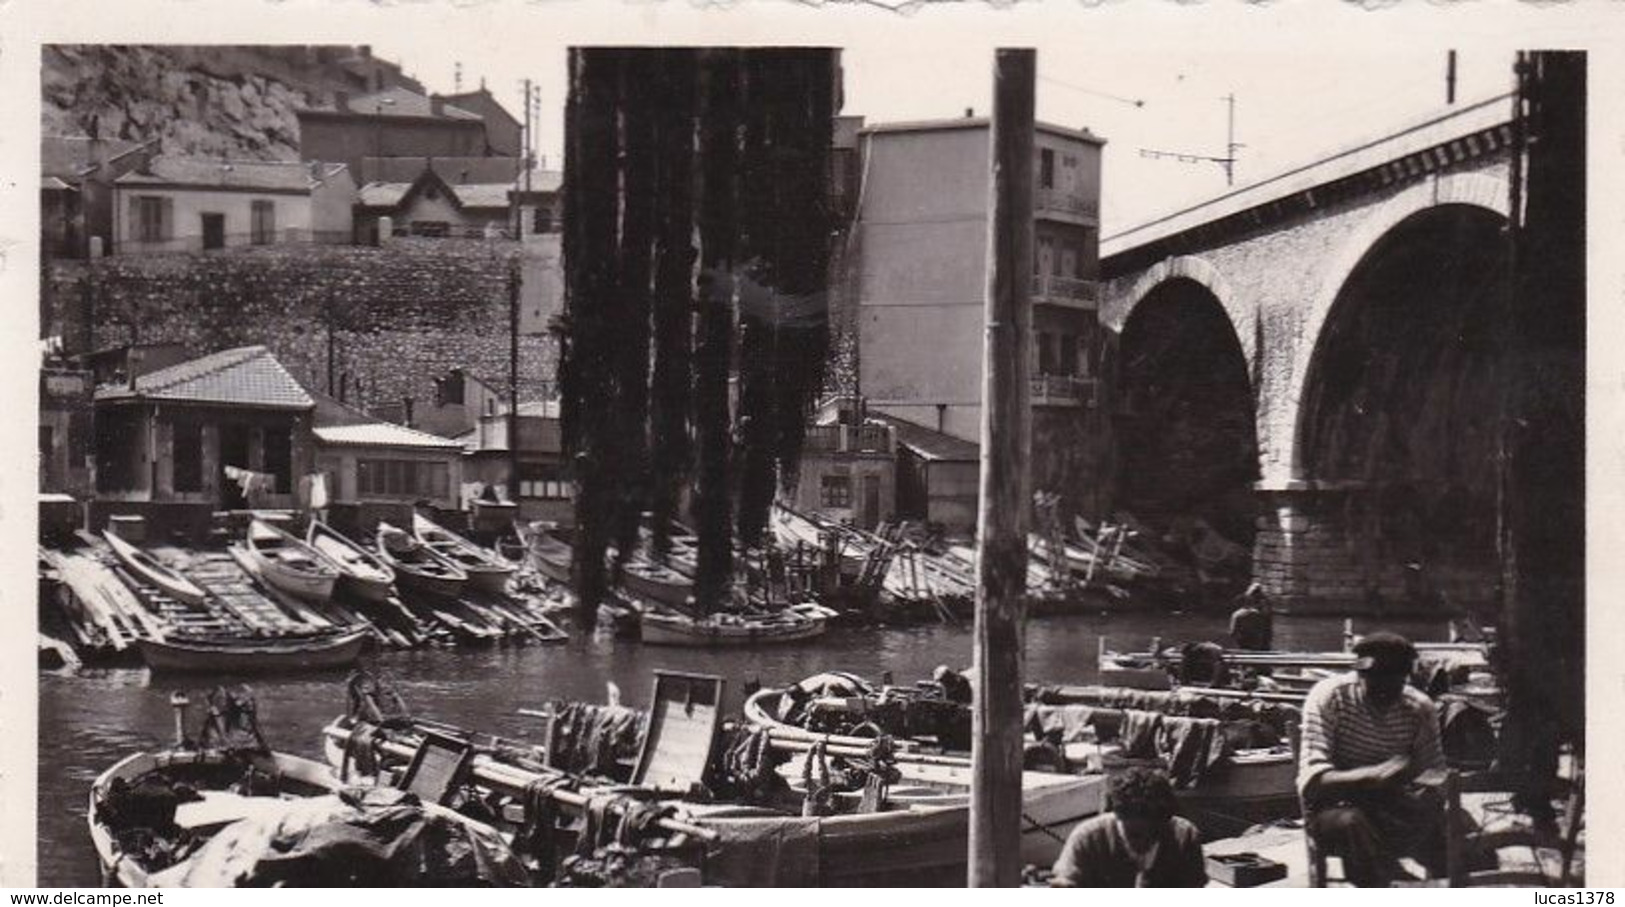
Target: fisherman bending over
column 1367, row 737
column 1252, row 624
column 1139, row 844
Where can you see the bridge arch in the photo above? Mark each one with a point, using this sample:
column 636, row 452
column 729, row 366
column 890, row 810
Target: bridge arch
column 1187, row 427
column 1395, row 409
column 1475, row 190
column 1198, row 270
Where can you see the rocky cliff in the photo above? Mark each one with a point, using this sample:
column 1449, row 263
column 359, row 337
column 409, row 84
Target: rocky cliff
column 205, row 100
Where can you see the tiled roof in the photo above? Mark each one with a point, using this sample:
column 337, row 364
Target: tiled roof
column 382, row 434
column 384, row 195
column 53, row 184
column 400, row 102
column 453, row 170
column 228, row 174
column 483, row 195
column 69, row 157
column 928, row 442
column 245, row 376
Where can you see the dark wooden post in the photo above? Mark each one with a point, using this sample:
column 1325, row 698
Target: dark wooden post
column 1001, row 537
column 514, row 281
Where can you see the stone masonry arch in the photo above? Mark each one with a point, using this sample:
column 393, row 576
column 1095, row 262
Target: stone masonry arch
column 1472, row 189
column 1198, row 270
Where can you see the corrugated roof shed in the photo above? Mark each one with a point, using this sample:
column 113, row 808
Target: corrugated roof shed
column 382, row 434
column 928, row 442
column 245, row 376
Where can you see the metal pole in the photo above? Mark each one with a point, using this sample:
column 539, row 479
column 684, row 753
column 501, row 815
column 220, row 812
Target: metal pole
column 1001, row 538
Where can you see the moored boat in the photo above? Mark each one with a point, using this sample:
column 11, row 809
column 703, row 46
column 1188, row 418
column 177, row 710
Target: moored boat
column 148, row 569
column 1221, row 787
column 289, row 564
column 645, row 579
column 417, row 567
column 363, row 574
column 241, row 656
column 486, row 571
column 669, row 628
column 231, row 812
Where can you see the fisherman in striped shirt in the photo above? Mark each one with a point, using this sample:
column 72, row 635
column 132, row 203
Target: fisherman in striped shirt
column 1368, row 737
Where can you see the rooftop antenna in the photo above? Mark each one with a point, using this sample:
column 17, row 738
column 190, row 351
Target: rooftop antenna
column 1231, row 146
column 457, row 78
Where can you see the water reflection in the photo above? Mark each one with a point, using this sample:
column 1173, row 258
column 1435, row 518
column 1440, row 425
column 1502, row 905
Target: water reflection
column 90, row 720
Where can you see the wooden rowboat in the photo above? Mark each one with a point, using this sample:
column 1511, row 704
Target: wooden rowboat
column 149, row 570
column 550, row 557
column 417, row 567
column 289, row 564
column 242, row 656
column 363, row 574
column 486, row 572
column 668, row 628
column 217, row 829
column 645, row 579
column 1251, row 786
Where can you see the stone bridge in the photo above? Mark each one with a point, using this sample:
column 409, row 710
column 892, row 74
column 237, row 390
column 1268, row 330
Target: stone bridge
column 1320, row 354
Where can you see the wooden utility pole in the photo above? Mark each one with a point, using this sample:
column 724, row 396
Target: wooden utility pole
column 514, row 280
column 1001, row 536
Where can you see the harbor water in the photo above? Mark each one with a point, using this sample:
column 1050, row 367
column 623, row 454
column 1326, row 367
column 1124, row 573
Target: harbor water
column 91, row 719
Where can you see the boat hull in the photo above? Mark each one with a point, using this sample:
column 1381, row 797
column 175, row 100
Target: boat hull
column 674, row 630
column 270, row 656
column 149, row 571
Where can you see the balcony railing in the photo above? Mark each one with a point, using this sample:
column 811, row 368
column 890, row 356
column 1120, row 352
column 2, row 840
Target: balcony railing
column 1068, row 291
column 1062, row 390
column 848, row 439
column 1058, row 200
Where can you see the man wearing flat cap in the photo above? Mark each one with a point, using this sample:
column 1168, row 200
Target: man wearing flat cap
column 1367, row 737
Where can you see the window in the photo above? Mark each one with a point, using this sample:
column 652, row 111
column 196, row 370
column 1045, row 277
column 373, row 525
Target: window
column 1046, row 168
column 150, row 218
column 541, row 220
column 262, row 222
column 279, row 458
column 406, row 479
column 836, row 491
column 187, row 440
column 1045, row 360
column 1069, row 354
column 79, row 439
column 47, row 442
column 544, row 481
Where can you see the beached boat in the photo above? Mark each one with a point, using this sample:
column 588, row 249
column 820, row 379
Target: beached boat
column 550, row 557
column 287, row 563
column 417, row 567
column 234, row 814
column 669, row 628
column 486, row 571
column 363, row 574
column 148, row 569
column 290, row 654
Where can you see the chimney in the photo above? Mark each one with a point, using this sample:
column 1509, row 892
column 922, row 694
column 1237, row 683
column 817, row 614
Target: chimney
column 437, row 105
column 366, row 51
column 970, row 112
